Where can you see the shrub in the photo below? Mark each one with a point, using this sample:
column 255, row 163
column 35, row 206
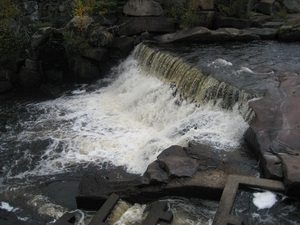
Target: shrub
column 232, row 8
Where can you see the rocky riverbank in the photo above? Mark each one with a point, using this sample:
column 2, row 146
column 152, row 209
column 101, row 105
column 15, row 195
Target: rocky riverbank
column 84, row 47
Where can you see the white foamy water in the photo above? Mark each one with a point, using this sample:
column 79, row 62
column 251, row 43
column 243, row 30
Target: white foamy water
column 7, row 207
column 263, row 200
column 127, row 123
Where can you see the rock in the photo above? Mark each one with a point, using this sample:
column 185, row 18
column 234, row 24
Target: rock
column 177, row 166
column 32, row 65
column 133, row 25
column 51, row 90
column 183, row 177
column 86, row 69
column 202, row 4
column 292, row 5
column 202, row 34
column 32, row 54
column 40, row 37
column 156, row 174
column 97, row 54
column 54, row 76
column 142, row 8
column 239, row 35
column 144, row 36
column 205, row 18
column 193, row 34
column 31, row 6
column 99, row 37
column 289, row 33
column 5, row 85
column 263, row 33
column 221, row 22
column 272, row 166
column 276, row 125
column 251, row 4
column 123, row 44
column 273, row 24
column 95, row 188
column 173, row 150
column 258, row 19
column 29, row 78
column 265, row 6
column 291, row 171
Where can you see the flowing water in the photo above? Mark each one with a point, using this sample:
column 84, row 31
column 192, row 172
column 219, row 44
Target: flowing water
column 127, row 119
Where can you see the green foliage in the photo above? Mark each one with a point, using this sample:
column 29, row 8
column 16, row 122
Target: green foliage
column 183, row 12
column 282, row 13
column 191, row 19
column 107, row 7
column 8, row 11
column 232, row 8
column 83, row 8
column 11, row 39
column 10, row 44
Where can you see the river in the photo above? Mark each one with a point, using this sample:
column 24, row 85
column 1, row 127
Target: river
column 127, row 119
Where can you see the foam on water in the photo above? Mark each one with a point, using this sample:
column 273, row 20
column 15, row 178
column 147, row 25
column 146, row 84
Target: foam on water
column 127, row 123
column 7, row 207
column 263, row 200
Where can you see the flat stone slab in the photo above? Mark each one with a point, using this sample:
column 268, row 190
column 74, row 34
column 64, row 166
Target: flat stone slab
column 276, row 129
column 210, row 170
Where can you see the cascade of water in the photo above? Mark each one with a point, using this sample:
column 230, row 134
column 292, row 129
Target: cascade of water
column 190, row 82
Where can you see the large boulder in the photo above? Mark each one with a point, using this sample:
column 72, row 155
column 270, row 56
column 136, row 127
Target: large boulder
column 265, row 6
column 142, row 8
column 292, row 5
column 40, row 37
column 177, row 164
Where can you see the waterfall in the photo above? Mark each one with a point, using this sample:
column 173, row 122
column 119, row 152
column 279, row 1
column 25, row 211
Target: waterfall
column 191, row 83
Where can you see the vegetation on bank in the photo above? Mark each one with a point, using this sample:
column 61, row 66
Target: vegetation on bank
column 10, row 42
column 186, row 12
